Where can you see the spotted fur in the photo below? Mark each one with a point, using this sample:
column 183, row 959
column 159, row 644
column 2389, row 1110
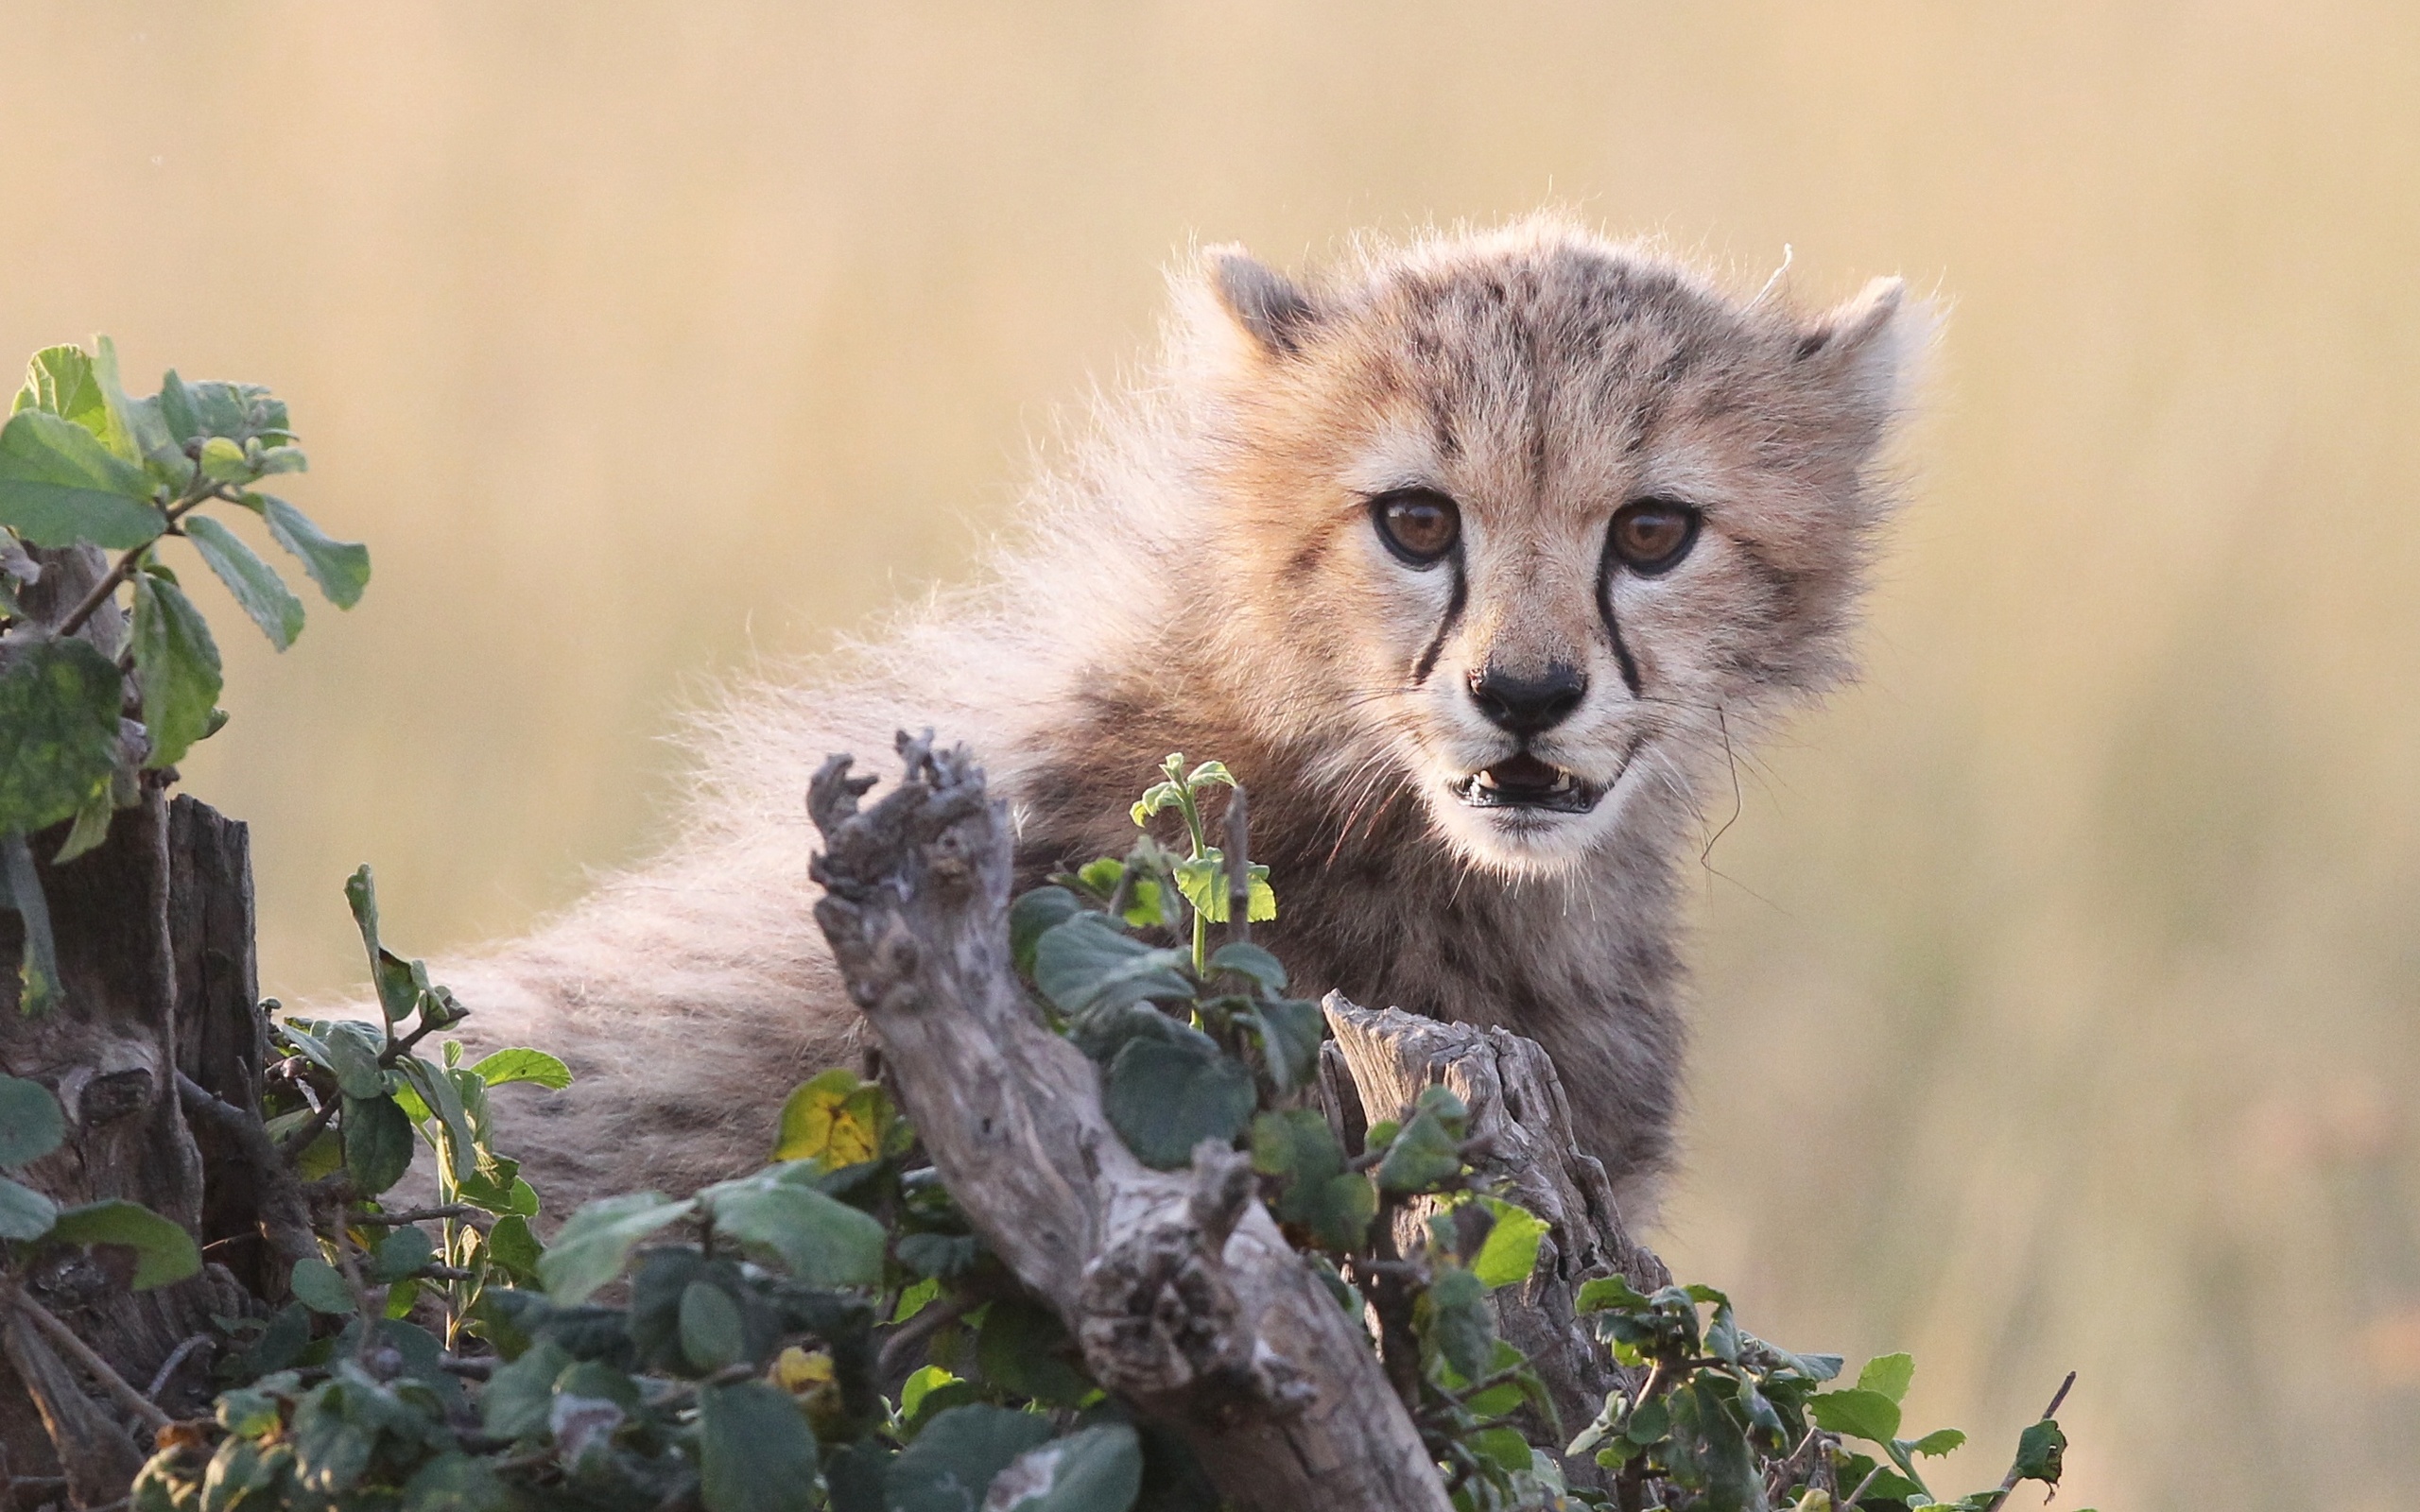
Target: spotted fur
column 1202, row 576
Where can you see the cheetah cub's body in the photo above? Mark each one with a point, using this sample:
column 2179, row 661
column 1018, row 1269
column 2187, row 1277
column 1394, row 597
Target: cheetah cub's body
column 1471, row 558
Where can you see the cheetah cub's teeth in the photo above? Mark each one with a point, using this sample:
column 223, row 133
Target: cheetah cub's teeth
column 1524, row 781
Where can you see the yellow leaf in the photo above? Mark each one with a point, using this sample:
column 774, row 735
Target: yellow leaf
column 835, row 1120
column 798, row 1372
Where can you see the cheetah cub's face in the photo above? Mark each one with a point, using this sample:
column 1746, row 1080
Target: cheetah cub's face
column 1547, row 522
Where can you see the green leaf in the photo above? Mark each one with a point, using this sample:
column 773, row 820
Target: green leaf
column 247, row 1414
column 1605, row 1293
column 25, row 1214
column 823, row 1241
column 1033, row 914
column 921, row 1383
column 1452, row 1315
column 1093, row 1470
column 1936, row 1443
column 318, row 1286
column 259, row 592
column 402, row 985
column 222, row 461
column 1858, row 1412
column 59, row 702
column 711, row 1335
column 1164, row 1098
column 1510, row 1252
column 455, row 1482
column 1503, row 1446
column 178, row 414
column 135, row 430
column 401, row 1253
column 590, row 1248
column 852, row 1475
column 953, row 1462
column 353, row 1048
column 1887, row 1374
column 31, row 1125
column 176, row 664
column 1087, row 962
column 1423, row 1156
column 1651, row 1421
column 756, row 1451
column 1202, row 879
column 522, row 1065
column 91, row 828
column 444, row 1099
column 342, row 567
column 1443, row 1105
column 59, row 486
column 163, row 1251
column 836, row 1119
column 60, row 380
column 361, row 897
column 377, row 1143
column 1155, row 798
column 38, row 988
column 1247, row 959
column 513, row 1248
column 1295, row 1143
column 1291, row 1031
column 1318, row 1194
column 1710, row 1451
column 1023, row 1349
column 515, row 1403
column 2041, row 1452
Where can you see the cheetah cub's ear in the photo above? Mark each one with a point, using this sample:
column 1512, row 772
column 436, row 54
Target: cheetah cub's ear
column 1865, row 350
column 1270, row 307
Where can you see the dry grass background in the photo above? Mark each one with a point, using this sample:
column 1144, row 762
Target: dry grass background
column 2059, row 981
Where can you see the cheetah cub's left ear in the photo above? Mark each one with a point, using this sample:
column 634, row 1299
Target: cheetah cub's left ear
column 1270, row 307
column 1866, row 349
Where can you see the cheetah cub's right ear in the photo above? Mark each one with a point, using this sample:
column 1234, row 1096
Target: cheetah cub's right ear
column 1270, row 307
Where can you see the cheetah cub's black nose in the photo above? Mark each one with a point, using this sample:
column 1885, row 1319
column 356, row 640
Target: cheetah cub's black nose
column 1527, row 706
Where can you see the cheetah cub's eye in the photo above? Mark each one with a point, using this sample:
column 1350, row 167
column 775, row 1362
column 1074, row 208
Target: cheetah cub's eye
column 1650, row 536
column 1420, row 525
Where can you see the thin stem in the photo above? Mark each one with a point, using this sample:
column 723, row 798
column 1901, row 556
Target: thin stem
column 295, row 1143
column 930, row 1319
column 125, row 563
column 396, row 1218
column 353, row 1283
column 1238, row 868
column 2009, row 1484
column 64, row 1338
column 168, row 1366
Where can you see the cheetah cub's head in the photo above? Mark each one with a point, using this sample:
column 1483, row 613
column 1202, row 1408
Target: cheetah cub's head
column 1541, row 522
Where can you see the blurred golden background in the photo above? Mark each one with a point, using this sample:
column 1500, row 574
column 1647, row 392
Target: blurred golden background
column 2058, row 981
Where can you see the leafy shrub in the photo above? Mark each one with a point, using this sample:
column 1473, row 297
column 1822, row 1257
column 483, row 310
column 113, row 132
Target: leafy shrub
column 829, row 1331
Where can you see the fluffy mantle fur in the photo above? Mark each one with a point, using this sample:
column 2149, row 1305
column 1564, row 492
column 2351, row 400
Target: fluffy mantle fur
column 1204, row 574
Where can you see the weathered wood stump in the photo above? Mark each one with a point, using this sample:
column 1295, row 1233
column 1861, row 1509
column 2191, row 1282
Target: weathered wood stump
column 1520, row 1128
column 154, row 936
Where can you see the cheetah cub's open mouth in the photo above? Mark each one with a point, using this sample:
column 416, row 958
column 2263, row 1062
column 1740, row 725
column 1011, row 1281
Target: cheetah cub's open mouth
column 1523, row 781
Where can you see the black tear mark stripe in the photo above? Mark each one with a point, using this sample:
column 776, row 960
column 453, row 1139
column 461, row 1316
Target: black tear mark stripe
column 1612, row 625
column 1428, row 662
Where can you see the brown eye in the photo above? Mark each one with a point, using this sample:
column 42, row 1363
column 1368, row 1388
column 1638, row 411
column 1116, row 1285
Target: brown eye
column 1418, row 524
column 1652, row 535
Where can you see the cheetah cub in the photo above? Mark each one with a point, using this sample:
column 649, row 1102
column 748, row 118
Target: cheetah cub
column 1470, row 555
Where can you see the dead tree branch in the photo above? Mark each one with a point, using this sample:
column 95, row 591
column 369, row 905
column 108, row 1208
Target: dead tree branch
column 1185, row 1299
